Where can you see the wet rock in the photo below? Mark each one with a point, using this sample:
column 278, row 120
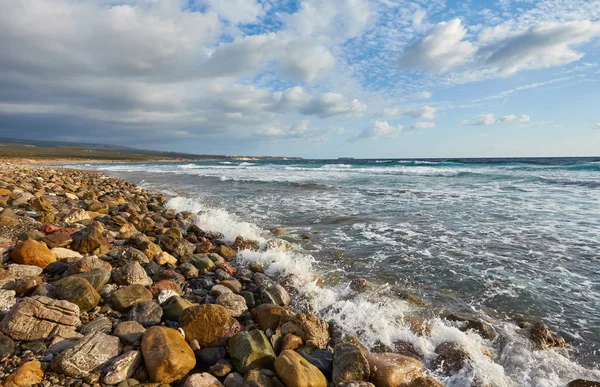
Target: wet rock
column 484, row 329
column 78, row 291
column 164, row 285
column 167, row 356
column 7, row 346
column 146, row 313
column 323, row 360
column 189, row 271
column 236, row 305
column 583, row 383
column 129, row 331
column 131, row 274
column 204, row 247
column 251, row 350
column 218, row 290
column 312, row 329
column 452, row 357
column 28, row 374
column 31, row 252
column 226, row 252
column 279, row 231
column 407, row 349
column 211, row 325
column 350, row 363
column 424, row 382
column 128, row 296
column 269, row 316
column 174, row 307
column 391, row 369
column 543, row 338
column 89, row 354
column 123, row 367
column 101, row 324
column 177, row 246
column 292, row 342
column 132, row 254
column 296, row 371
column 41, row 317
column 233, row 380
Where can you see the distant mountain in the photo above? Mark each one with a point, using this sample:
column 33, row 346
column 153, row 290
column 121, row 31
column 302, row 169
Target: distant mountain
column 12, row 147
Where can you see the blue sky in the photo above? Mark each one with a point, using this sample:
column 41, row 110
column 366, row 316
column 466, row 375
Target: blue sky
column 356, row 78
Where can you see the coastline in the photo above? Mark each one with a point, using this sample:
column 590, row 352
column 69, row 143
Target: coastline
column 115, row 240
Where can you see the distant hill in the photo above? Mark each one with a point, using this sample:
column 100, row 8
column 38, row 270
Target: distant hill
column 39, row 149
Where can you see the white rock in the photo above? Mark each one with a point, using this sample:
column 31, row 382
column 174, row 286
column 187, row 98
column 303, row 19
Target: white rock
column 7, row 299
column 62, row 253
column 165, row 295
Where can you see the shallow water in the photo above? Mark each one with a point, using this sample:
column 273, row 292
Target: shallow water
column 511, row 239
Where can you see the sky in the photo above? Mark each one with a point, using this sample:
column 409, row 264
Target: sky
column 309, row 78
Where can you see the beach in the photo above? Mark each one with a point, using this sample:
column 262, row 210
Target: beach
column 107, row 283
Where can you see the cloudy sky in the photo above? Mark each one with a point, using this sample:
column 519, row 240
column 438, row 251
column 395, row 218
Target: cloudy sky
column 329, row 78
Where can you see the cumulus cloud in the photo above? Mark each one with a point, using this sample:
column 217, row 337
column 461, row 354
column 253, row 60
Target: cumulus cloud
column 331, row 104
column 423, row 125
column 307, row 63
column 380, row 129
column 237, row 11
column 499, row 50
column 489, row 119
column 442, row 49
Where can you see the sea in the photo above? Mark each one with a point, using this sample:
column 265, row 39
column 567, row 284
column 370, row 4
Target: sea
column 508, row 240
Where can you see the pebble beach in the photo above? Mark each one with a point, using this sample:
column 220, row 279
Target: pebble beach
column 102, row 285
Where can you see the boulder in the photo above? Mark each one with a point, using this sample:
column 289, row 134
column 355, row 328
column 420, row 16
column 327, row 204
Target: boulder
column 422, row 381
column 312, row 329
column 41, row 317
column 33, row 253
column 28, row 374
column 296, row 371
column 323, row 360
column 350, row 363
column 544, row 338
column 476, row 324
column 202, row 380
column 269, row 316
column 235, row 304
column 391, row 369
column 78, row 291
column 452, row 357
column 128, row 296
column 89, row 240
column 167, row 356
column 123, row 367
column 89, row 354
column 211, row 325
column 251, row 350
column 131, row 273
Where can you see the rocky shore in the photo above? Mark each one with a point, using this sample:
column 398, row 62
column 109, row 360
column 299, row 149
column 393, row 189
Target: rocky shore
column 101, row 285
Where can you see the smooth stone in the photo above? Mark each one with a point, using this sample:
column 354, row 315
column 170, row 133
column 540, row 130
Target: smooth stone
column 129, row 331
column 174, row 307
column 146, row 313
column 211, row 355
column 391, row 369
column 7, row 346
column 249, row 297
column 131, row 273
column 235, row 304
column 312, row 329
column 350, row 363
column 34, row 253
column 323, row 360
column 28, row 374
column 422, row 381
column 269, row 316
column 211, row 325
column 78, row 291
column 89, row 354
column 296, row 371
column 202, row 380
column 101, row 324
column 62, row 253
column 251, row 350
column 167, row 356
column 128, row 296
column 97, row 277
column 233, row 380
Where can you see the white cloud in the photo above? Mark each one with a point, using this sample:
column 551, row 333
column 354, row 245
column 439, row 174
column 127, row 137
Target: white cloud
column 237, row 11
column 442, row 49
column 423, row 125
column 380, row 129
column 500, row 50
column 306, row 62
column 331, row 104
column 423, row 95
column 489, row 119
column 425, row 113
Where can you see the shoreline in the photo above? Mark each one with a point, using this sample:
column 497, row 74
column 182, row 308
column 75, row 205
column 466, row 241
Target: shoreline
column 132, row 231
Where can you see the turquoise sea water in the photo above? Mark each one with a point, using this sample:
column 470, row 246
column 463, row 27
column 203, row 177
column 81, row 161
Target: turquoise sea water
column 510, row 239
